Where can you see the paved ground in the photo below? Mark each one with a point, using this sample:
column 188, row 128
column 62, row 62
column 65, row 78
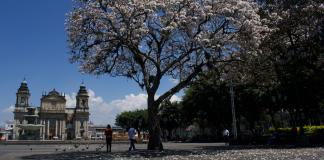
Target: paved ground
column 172, row 151
column 18, row 151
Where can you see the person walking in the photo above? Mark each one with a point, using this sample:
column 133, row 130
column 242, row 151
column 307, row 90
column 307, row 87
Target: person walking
column 131, row 137
column 226, row 136
column 108, row 133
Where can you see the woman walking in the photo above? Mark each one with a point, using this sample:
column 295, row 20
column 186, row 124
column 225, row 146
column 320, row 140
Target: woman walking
column 108, row 133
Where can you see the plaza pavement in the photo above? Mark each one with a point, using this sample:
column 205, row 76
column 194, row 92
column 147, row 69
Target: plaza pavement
column 172, row 151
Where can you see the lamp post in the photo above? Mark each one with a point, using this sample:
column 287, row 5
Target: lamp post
column 234, row 129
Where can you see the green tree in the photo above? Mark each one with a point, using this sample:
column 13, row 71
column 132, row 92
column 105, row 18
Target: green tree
column 172, row 117
column 295, row 49
column 136, row 119
column 207, row 103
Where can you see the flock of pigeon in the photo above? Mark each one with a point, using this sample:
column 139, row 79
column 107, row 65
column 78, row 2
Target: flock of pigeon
column 75, row 148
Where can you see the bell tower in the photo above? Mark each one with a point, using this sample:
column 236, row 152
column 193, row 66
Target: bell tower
column 22, row 103
column 22, row 96
column 82, row 113
column 82, row 98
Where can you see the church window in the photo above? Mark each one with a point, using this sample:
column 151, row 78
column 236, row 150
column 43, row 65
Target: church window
column 81, row 126
column 22, row 100
column 83, row 103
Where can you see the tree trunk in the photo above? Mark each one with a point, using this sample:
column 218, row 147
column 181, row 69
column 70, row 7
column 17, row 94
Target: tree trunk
column 155, row 142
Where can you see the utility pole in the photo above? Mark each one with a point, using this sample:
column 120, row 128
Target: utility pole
column 234, row 129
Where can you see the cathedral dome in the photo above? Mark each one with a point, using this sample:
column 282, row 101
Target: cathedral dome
column 53, row 97
column 23, row 87
column 54, row 92
column 83, row 91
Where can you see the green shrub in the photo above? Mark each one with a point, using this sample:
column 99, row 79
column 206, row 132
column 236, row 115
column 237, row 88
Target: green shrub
column 280, row 130
column 312, row 130
column 308, row 130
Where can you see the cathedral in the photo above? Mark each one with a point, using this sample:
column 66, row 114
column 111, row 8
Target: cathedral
column 52, row 120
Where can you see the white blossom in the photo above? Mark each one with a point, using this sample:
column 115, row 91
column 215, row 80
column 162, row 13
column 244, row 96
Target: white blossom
column 125, row 25
column 321, row 7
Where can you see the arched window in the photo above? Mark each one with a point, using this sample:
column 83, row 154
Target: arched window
column 83, row 103
column 81, row 126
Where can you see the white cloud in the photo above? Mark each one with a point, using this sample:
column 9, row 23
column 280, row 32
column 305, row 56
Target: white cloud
column 102, row 112
column 175, row 98
column 10, row 109
column 174, row 81
column 6, row 115
column 70, row 100
column 131, row 102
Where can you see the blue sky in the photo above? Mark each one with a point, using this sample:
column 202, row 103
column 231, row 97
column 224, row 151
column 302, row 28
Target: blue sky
column 33, row 44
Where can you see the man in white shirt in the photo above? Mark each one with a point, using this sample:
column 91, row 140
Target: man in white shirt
column 131, row 137
column 226, row 136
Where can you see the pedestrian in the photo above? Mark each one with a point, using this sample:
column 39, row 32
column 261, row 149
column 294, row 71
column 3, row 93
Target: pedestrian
column 108, row 133
column 226, row 136
column 131, row 137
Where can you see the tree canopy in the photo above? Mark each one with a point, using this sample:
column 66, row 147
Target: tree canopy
column 146, row 40
column 136, row 119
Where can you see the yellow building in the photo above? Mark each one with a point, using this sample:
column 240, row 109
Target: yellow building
column 52, row 120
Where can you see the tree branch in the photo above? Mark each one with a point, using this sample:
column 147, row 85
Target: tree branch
column 182, row 84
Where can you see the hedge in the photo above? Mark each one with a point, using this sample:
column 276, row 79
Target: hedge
column 308, row 130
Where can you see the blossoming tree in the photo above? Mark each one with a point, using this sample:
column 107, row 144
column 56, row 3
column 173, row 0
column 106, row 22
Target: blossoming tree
column 146, row 40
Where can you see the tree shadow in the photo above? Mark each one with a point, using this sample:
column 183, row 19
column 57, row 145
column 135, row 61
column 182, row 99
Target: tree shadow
column 247, row 147
column 143, row 153
column 140, row 153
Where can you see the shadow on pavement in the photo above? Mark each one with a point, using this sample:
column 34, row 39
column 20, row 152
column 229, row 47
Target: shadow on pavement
column 247, row 147
column 143, row 153
column 103, row 155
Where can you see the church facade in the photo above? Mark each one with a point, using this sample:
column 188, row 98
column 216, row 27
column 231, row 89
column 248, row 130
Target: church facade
column 52, row 120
